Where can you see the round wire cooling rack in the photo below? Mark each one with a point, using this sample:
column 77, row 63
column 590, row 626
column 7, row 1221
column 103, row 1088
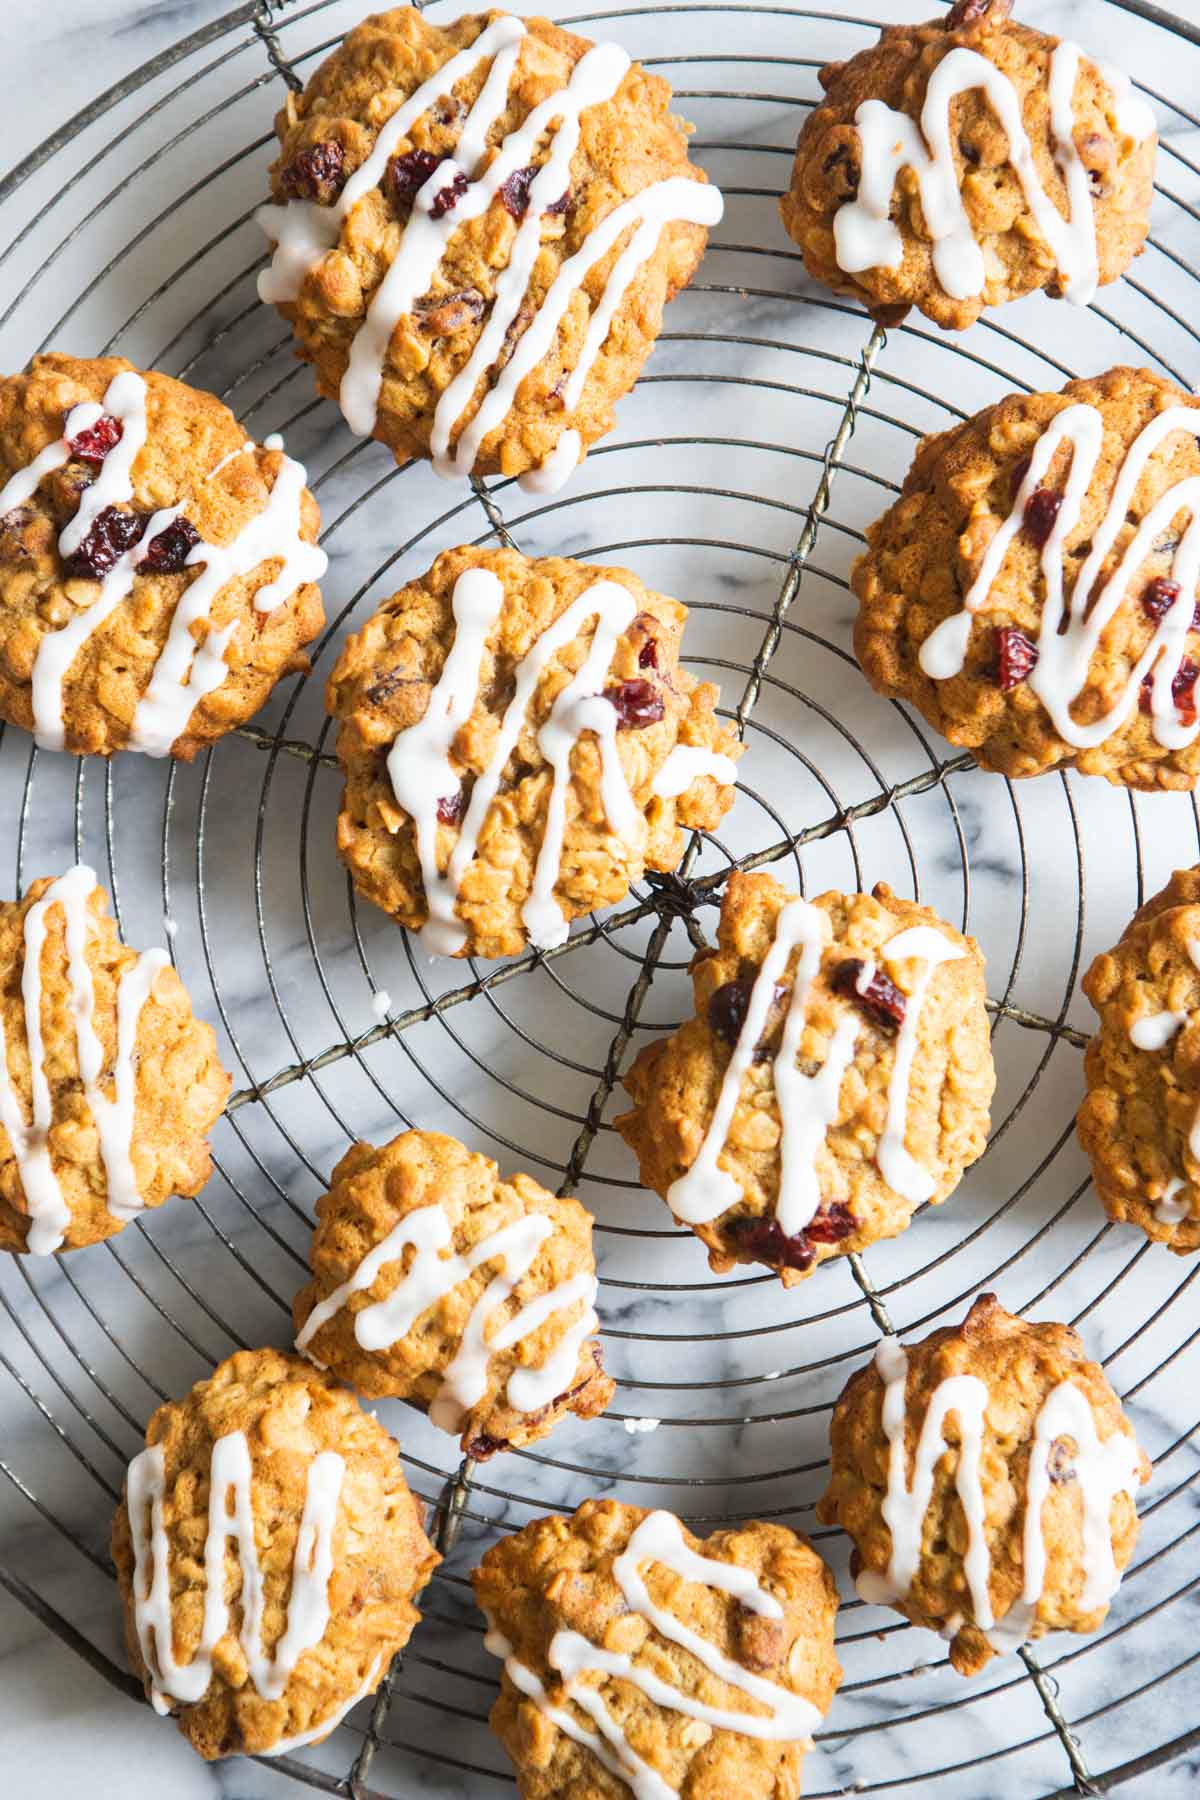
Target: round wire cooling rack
column 771, row 426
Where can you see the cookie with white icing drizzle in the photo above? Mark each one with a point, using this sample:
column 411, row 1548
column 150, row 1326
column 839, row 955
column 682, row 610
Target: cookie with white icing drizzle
column 640, row 1659
column 158, row 568
column 968, row 161
column 837, row 1075
column 520, row 744
column 1140, row 1120
column 268, row 1552
column 476, row 227
column 437, row 1281
column 987, row 1477
column 108, row 1084
column 1034, row 592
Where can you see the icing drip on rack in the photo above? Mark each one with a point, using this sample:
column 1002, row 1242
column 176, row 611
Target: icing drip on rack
column 1102, row 1469
column 808, row 1104
column 308, row 1600
column 184, row 671
column 788, row 1716
column 303, row 232
column 435, row 1271
column 1070, row 630
column 1153, row 1032
column 422, row 774
column 865, row 236
column 49, row 1213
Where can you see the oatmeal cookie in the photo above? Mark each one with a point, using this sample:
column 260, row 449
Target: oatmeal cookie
column 157, row 567
column 968, row 161
column 1000, row 1454
column 836, row 1076
column 520, row 744
column 274, row 1476
column 1029, row 592
column 1140, row 1122
column 477, row 226
column 637, row 1656
column 108, row 1085
column 437, row 1281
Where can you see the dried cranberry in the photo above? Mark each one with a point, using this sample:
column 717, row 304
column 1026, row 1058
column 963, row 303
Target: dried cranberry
column 388, row 684
column 94, row 444
column 411, row 171
column 1015, row 658
column 1060, row 1463
column 514, row 192
column 485, row 1445
column 1041, row 511
column 447, row 198
column 764, row 1239
column 318, row 173
column 833, row 1223
column 648, row 654
column 879, row 998
column 451, row 807
column 168, row 550
column 1183, row 691
column 1019, row 474
column 1159, row 596
column 973, row 12
column 637, row 703
column 442, row 315
column 112, row 533
column 727, row 1011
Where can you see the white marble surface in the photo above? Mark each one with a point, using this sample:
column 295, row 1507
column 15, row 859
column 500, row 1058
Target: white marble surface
column 134, row 233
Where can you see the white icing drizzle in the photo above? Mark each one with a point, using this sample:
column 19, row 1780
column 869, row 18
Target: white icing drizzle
column 607, row 1743
column 316, row 1733
column 905, row 1504
column 789, row 1717
column 1070, row 631
column 312, row 1564
column 1171, row 1210
column 808, row 1104
column 304, row 232
column 551, row 476
column 125, row 401
column 49, row 1213
column 865, row 236
column 687, row 763
column 419, row 760
column 903, row 1174
column 1155, row 1030
column 1134, row 116
column 184, row 672
column 433, row 1274
column 1102, row 1470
